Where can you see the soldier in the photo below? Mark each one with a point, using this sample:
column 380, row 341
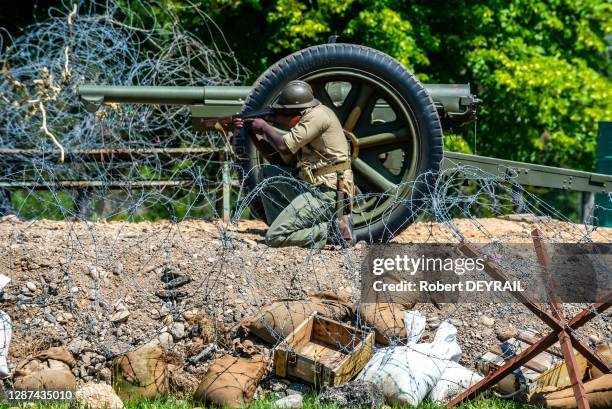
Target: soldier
column 306, row 214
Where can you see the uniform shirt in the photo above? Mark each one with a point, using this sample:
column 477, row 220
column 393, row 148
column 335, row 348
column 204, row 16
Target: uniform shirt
column 318, row 139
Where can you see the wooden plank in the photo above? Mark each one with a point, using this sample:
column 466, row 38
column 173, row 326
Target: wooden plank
column 541, row 363
column 531, row 338
column 354, row 362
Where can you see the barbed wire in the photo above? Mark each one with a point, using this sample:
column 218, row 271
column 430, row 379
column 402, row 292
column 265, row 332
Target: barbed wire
column 125, row 265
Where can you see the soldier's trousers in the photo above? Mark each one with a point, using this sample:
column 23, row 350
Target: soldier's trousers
column 298, row 214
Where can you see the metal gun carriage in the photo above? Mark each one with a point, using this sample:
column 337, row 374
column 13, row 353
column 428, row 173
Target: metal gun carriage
column 398, row 122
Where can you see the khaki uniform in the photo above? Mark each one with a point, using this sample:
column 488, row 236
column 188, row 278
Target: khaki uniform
column 299, row 213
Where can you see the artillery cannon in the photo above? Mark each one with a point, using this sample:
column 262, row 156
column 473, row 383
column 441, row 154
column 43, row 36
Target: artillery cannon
column 398, row 122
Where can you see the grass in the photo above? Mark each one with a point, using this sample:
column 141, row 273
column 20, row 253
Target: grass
column 268, row 403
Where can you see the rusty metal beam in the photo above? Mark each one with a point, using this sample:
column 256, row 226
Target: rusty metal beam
column 555, row 305
column 537, row 347
column 524, row 297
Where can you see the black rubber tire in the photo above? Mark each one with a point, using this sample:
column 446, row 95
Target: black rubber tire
column 395, row 75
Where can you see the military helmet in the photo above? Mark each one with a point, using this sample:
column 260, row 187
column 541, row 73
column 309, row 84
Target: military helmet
column 296, row 95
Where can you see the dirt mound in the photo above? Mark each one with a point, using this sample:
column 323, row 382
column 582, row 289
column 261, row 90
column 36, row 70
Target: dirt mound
column 103, row 289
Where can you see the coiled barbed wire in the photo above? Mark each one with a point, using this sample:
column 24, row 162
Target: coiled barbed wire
column 85, row 273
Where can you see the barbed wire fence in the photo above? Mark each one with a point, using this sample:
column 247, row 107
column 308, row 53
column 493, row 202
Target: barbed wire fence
column 102, row 280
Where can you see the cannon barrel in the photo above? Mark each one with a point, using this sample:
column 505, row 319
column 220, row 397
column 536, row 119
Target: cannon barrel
column 456, row 105
column 95, row 95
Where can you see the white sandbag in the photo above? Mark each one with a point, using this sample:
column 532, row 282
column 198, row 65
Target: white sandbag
column 4, row 280
column 415, row 325
column 406, row 374
column 455, row 379
column 6, row 331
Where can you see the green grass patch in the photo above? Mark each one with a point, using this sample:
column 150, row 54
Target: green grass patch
column 310, row 402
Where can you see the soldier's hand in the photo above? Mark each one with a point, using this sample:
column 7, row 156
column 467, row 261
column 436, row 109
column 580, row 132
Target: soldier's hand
column 238, row 123
column 257, row 124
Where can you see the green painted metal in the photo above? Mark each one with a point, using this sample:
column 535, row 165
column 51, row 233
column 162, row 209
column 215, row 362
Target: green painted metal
column 95, row 95
column 454, row 101
column 455, row 104
column 533, row 175
column 603, row 203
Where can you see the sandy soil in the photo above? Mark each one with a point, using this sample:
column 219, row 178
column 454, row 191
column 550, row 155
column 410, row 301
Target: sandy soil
column 96, row 287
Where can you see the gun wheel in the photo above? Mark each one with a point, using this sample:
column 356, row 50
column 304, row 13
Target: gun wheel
column 390, row 112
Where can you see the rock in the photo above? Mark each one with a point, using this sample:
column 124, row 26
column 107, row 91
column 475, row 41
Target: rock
column 106, row 375
column 171, row 294
column 178, row 330
column 30, row 286
column 278, row 387
column 166, row 309
column 118, row 268
column 487, row 321
column 177, row 282
column 53, row 289
column 296, row 388
column 97, row 396
column 77, row 345
column 120, row 316
column 353, row 394
column 434, row 323
column 93, row 272
column 167, row 320
column 290, row 402
column 169, row 274
column 93, row 294
column 504, row 334
column 165, row 340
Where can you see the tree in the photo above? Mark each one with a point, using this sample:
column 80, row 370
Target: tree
column 539, row 66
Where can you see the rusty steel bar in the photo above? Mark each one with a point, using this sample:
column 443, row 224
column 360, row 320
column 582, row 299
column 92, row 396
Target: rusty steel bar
column 525, row 297
column 588, row 353
column 579, row 345
column 504, row 370
column 537, row 347
column 564, row 340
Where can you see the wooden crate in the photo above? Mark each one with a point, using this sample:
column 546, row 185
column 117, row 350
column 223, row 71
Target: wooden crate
column 322, row 351
column 531, row 370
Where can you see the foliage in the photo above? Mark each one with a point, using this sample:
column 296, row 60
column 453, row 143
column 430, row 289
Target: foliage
column 540, row 66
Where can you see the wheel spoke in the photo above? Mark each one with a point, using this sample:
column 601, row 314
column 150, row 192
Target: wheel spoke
column 362, row 102
column 372, row 176
column 385, row 138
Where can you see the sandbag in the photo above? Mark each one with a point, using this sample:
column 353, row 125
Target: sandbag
column 406, row 374
column 50, row 369
column 142, row 373
column 454, row 380
column 558, row 376
column 604, row 351
column 231, row 381
column 277, row 320
column 598, row 392
column 386, row 319
column 415, row 323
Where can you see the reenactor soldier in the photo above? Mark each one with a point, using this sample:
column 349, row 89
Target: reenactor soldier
column 317, row 211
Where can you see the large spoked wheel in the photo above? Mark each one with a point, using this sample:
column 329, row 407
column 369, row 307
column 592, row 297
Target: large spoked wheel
column 390, row 112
